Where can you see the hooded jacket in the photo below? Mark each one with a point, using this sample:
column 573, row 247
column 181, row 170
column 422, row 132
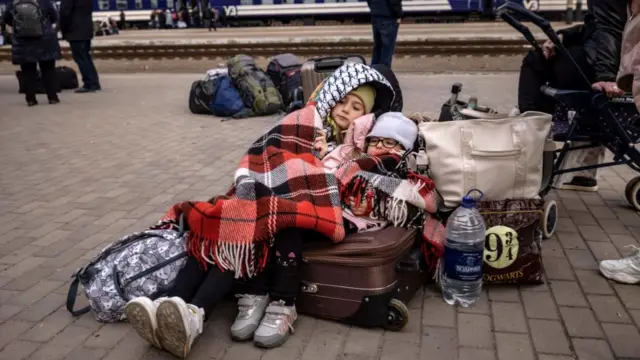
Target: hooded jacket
column 629, row 73
column 345, row 79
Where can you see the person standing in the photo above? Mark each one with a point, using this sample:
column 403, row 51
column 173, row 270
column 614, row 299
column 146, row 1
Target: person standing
column 385, row 21
column 76, row 25
column 34, row 44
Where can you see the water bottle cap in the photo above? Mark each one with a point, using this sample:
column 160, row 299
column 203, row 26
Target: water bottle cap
column 468, row 202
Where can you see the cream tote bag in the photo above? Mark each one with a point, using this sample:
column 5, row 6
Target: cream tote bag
column 500, row 157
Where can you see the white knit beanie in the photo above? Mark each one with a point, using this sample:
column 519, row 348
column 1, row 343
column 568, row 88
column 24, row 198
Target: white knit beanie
column 394, row 125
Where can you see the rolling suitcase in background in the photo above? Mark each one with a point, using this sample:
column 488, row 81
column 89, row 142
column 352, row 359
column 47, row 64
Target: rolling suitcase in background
column 364, row 280
column 284, row 72
column 314, row 71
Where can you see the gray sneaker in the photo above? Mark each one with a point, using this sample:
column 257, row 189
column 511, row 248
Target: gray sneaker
column 276, row 325
column 250, row 311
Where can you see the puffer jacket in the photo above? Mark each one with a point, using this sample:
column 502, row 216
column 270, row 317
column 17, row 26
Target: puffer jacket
column 44, row 48
column 629, row 72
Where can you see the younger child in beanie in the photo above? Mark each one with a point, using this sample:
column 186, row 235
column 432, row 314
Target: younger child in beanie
column 392, row 133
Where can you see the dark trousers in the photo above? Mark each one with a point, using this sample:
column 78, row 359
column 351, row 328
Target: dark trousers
column 281, row 278
column 210, row 24
column 81, row 51
column 558, row 72
column 204, row 289
column 48, row 76
column 385, row 33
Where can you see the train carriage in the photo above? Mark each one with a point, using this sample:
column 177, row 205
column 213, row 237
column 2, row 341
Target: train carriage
column 267, row 11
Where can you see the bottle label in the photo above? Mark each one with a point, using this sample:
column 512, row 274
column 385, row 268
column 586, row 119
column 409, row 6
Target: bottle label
column 462, row 265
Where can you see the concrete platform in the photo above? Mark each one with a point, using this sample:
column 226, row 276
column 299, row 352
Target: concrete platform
column 80, row 174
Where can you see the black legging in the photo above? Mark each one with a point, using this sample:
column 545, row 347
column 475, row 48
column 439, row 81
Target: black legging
column 281, row 278
column 202, row 288
column 48, row 76
column 559, row 72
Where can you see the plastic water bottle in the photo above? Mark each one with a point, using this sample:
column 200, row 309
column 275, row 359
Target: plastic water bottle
column 461, row 272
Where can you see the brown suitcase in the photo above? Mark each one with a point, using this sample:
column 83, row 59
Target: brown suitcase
column 365, row 280
column 313, row 71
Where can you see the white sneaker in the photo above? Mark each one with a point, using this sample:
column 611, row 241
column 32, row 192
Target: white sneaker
column 179, row 325
column 251, row 309
column 625, row 270
column 141, row 313
column 276, row 325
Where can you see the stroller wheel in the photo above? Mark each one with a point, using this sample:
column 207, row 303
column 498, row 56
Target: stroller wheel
column 632, row 192
column 549, row 218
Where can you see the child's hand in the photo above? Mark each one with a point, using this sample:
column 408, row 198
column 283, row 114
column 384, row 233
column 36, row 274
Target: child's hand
column 320, row 143
column 361, row 209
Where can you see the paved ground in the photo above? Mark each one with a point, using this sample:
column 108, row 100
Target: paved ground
column 77, row 175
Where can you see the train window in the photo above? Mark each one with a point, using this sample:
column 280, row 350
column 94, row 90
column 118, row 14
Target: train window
column 121, row 4
column 169, row 4
column 103, row 4
column 138, row 4
column 267, row 2
column 154, row 4
column 246, row 2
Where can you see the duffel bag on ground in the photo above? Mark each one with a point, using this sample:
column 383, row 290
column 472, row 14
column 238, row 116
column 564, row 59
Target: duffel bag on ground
column 67, row 80
column 140, row 264
column 200, row 96
column 227, row 101
column 257, row 90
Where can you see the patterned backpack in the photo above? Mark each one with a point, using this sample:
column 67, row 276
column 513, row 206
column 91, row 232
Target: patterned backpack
column 140, row 264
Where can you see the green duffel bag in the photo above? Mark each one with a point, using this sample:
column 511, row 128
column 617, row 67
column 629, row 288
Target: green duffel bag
column 256, row 88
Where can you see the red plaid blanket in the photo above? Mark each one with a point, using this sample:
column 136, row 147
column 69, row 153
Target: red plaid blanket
column 279, row 184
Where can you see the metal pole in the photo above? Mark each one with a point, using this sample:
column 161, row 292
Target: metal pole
column 569, row 14
column 578, row 11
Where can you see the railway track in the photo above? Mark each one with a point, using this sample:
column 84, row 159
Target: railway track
column 444, row 48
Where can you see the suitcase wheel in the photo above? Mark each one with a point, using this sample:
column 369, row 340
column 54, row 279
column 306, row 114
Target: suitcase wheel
column 398, row 315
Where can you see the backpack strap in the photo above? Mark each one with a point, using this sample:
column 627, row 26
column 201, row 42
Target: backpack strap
column 73, row 293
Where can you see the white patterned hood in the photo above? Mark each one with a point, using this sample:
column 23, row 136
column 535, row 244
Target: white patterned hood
column 349, row 77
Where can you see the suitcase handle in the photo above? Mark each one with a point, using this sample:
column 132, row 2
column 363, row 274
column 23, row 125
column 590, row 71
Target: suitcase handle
column 333, row 62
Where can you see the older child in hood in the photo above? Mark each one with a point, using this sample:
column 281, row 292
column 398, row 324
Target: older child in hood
column 268, row 312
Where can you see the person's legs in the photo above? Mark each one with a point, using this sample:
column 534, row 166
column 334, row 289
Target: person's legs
column 50, row 80
column 567, row 76
column 388, row 35
column 29, row 82
column 141, row 311
column 377, row 42
column 180, row 322
column 281, row 313
column 81, row 51
column 533, row 74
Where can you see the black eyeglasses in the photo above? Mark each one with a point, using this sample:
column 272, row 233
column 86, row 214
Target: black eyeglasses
column 386, row 142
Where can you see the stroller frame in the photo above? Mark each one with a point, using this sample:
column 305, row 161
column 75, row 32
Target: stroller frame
column 610, row 133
